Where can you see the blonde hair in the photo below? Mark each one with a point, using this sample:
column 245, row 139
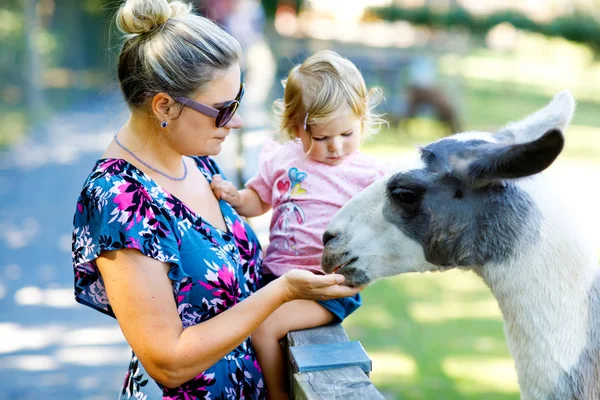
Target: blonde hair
column 322, row 88
column 169, row 49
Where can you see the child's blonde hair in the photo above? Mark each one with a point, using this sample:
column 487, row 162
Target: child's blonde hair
column 322, row 88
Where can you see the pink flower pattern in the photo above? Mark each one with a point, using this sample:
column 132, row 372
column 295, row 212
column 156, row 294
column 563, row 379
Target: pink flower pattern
column 211, row 270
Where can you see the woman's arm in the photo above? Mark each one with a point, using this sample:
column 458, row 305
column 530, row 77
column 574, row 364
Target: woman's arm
column 141, row 297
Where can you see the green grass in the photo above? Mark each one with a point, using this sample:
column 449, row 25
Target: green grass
column 434, row 336
column 487, row 106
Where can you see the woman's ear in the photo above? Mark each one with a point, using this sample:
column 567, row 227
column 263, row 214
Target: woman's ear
column 162, row 106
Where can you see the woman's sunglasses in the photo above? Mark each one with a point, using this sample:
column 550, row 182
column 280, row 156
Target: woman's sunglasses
column 223, row 115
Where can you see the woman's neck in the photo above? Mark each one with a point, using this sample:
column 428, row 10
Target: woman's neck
column 148, row 142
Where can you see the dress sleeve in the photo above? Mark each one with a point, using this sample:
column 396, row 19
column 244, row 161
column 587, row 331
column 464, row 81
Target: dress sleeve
column 262, row 182
column 114, row 213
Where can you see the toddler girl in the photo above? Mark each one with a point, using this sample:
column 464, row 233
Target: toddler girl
column 326, row 112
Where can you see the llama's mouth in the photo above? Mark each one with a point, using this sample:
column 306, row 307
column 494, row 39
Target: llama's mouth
column 350, row 261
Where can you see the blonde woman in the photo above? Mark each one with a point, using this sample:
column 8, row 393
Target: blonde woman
column 325, row 114
column 152, row 245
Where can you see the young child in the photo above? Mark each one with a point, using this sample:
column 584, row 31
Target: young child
column 326, row 112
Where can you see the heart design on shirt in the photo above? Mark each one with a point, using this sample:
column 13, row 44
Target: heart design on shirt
column 283, row 187
column 298, row 191
column 296, row 176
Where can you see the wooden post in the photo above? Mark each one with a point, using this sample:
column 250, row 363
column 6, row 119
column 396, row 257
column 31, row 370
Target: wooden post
column 337, row 383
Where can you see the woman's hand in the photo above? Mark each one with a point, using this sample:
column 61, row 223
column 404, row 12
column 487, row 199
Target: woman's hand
column 225, row 190
column 302, row 284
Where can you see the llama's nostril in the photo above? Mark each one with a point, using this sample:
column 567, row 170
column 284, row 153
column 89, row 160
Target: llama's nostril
column 327, row 236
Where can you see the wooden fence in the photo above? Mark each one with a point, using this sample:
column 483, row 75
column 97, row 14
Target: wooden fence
column 325, row 364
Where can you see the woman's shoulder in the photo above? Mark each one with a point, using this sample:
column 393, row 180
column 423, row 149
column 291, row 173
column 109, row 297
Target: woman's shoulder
column 108, row 171
column 115, row 187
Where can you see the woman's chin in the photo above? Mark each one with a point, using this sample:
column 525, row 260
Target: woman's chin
column 211, row 150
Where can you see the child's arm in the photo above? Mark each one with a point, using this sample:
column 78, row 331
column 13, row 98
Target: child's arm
column 246, row 201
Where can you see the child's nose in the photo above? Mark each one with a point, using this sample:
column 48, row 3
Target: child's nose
column 335, row 144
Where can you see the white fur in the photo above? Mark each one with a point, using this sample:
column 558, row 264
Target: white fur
column 543, row 290
column 543, row 293
column 557, row 114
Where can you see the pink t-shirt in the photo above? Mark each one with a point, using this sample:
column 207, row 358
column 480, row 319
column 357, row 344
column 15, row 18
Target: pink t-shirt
column 304, row 195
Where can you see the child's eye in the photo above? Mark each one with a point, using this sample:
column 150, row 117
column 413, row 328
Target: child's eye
column 347, row 134
column 319, row 139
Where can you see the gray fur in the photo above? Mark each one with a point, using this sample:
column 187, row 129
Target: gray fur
column 458, row 225
column 582, row 382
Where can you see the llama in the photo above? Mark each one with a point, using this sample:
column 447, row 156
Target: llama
column 478, row 201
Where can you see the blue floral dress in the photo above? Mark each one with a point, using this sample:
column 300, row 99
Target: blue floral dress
column 211, row 270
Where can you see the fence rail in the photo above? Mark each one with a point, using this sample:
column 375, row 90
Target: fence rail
column 334, row 367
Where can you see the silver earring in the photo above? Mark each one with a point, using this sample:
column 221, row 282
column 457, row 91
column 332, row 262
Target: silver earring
column 164, row 124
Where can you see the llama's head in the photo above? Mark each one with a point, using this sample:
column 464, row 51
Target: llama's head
column 462, row 204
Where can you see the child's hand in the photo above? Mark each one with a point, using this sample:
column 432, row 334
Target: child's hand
column 225, row 190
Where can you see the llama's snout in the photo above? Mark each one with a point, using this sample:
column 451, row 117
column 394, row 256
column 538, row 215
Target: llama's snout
column 336, row 259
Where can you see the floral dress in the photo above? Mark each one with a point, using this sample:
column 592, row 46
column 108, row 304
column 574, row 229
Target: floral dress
column 211, row 270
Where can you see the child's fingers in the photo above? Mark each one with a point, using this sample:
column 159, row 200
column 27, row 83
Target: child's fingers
column 219, row 192
column 216, row 180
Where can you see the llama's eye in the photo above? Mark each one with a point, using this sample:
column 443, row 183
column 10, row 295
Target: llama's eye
column 458, row 194
column 405, row 195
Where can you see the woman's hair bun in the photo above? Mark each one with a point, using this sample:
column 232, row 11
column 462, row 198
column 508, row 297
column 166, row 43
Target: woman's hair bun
column 141, row 16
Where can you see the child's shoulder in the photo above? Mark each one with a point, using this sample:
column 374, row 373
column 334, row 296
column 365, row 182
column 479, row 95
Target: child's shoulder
column 272, row 149
column 363, row 160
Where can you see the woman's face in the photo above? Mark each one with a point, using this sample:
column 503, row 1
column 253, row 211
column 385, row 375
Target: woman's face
column 196, row 134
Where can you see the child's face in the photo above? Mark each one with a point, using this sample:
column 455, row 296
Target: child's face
column 334, row 141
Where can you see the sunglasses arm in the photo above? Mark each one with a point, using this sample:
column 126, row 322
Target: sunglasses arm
column 201, row 108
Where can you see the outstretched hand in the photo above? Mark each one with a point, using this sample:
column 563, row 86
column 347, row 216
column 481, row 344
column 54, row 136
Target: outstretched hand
column 225, row 190
column 302, row 284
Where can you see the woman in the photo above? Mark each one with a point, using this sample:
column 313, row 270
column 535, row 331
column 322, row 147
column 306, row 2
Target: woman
column 152, row 246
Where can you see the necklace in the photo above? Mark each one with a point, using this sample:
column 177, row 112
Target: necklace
column 185, row 170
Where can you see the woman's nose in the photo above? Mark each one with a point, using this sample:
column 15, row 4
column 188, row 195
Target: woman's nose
column 235, row 122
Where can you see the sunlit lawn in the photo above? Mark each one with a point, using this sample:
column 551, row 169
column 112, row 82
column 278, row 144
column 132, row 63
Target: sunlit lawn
column 434, row 336
column 487, row 106
column 440, row 336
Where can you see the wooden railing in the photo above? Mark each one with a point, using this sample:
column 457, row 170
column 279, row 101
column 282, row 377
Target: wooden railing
column 324, row 364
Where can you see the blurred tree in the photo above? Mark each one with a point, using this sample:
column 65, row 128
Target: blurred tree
column 579, row 26
column 12, row 41
column 33, row 71
column 270, row 6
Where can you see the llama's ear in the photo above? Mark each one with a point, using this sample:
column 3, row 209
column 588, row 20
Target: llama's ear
column 555, row 115
column 509, row 161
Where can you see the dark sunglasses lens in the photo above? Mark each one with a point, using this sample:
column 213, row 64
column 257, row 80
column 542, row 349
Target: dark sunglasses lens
column 226, row 113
